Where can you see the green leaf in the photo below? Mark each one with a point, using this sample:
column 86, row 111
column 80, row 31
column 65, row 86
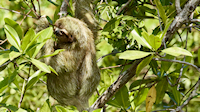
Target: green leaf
column 46, row 107
column 60, row 109
column 166, row 28
column 53, row 70
column 4, row 58
column 199, row 56
column 6, row 81
column 121, row 98
column 15, row 26
column 12, row 37
column 10, row 107
column 128, row 18
column 161, row 11
column 43, row 36
column 53, row 54
column 161, row 87
column 142, row 64
column 140, row 39
column 153, row 41
column 21, row 110
column 166, row 65
column 141, row 96
column 40, row 37
column 40, row 65
column 34, row 78
column 176, row 94
column 143, row 81
column 27, row 38
column 133, row 54
column 112, row 24
column 13, row 55
column 176, row 51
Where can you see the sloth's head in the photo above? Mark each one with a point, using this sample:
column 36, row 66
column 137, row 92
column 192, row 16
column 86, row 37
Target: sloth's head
column 68, row 31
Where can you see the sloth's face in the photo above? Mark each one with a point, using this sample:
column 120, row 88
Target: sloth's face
column 63, row 36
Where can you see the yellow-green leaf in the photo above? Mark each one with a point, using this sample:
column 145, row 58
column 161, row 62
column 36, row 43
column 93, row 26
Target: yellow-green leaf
column 176, row 51
column 161, row 11
column 133, row 54
column 40, row 65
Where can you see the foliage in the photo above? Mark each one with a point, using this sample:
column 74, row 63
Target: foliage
column 135, row 32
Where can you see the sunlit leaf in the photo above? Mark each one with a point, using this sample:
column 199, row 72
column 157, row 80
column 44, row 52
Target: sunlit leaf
column 150, row 99
column 176, row 51
column 112, row 24
column 60, row 109
column 43, row 36
column 153, row 41
column 12, row 37
column 133, row 54
column 4, row 58
column 34, row 78
column 39, row 38
column 140, row 39
column 40, row 65
column 13, row 55
column 53, row 54
column 27, row 38
column 21, row 110
column 53, row 70
column 46, row 106
column 15, row 26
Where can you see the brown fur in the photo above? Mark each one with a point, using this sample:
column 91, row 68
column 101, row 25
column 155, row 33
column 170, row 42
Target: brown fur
column 78, row 74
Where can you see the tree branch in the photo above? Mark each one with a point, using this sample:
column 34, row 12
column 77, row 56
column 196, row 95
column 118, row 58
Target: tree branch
column 181, row 18
column 178, row 7
column 120, row 82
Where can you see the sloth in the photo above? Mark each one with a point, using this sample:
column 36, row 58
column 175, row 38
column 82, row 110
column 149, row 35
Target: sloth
column 78, row 74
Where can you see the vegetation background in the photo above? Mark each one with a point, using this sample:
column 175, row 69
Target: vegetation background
column 167, row 78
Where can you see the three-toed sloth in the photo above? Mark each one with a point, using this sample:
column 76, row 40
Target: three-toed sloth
column 78, row 74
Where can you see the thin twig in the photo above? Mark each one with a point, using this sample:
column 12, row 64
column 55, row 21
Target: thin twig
column 37, row 16
column 177, row 61
column 25, row 17
column 195, row 20
column 34, row 6
column 115, row 66
column 3, row 41
column 23, row 93
column 125, row 5
column 17, row 12
column 106, row 55
column 39, row 7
